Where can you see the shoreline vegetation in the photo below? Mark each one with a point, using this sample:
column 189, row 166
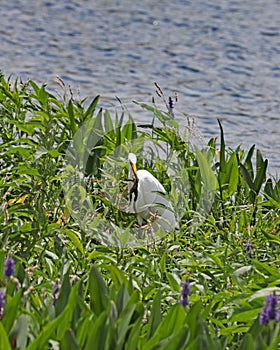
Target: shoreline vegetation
column 77, row 272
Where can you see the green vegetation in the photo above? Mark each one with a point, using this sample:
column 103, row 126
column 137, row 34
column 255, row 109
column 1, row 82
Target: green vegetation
column 74, row 286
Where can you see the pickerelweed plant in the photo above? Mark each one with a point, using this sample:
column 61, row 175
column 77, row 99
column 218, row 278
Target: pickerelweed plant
column 64, row 187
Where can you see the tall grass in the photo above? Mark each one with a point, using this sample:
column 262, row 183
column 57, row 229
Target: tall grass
column 79, row 282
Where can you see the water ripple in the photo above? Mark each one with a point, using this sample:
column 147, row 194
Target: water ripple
column 222, row 57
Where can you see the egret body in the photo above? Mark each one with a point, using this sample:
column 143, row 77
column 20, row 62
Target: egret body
column 146, row 198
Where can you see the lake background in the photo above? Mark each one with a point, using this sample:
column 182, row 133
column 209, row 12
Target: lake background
column 221, row 57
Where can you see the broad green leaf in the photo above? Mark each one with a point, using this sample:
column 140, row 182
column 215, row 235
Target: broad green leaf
column 64, row 293
column 245, row 316
column 232, row 171
column 247, row 177
column 207, row 175
column 4, row 340
column 132, row 341
column 260, row 175
column 193, row 317
column 20, row 331
column 265, row 268
column 75, row 240
column 124, row 323
column 248, row 162
column 247, row 342
column 89, row 112
column 155, row 318
column 117, row 276
column 72, row 121
column 25, row 170
column 265, row 292
column 98, row 291
column 69, row 341
column 179, row 339
column 173, row 282
column 174, row 318
column 58, row 326
column 11, row 310
column 241, row 270
column 100, row 335
column 2, row 258
column 21, row 150
column 122, row 298
column 108, row 124
column 222, row 148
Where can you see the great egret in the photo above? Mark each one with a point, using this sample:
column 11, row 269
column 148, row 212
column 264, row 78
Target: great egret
column 146, row 199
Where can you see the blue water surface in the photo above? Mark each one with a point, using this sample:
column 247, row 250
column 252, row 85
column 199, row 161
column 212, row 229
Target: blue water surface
column 222, row 58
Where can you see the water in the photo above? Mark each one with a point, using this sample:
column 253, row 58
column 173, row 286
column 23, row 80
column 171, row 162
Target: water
column 222, row 57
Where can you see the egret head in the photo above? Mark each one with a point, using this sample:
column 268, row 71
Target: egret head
column 132, row 159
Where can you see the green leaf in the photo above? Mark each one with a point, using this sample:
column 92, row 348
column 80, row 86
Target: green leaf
column 100, row 335
column 179, row 340
column 245, row 316
column 89, row 112
column 98, row 292
column 173, row 282
column 11, row 310
column 247, row 176
column 118, row 276
column 122, row 298
column 26, row 170
column 193, row 319
column 222, row 148
column 2, row 258
column 20, row 331
column 23, row 151
column 59, row 325
column 216, row 259
column 123, row 324
column 47, row 332
column 173, row 320
column 207, row 175
column 54, row 153
column 4, row 341
column 75, row 240
column 132, row 341
column 248, row 162
column 266, row 269
column 247, row 342
column 25, row 127
column 232, row 174
column 108, row 124
column 155, row 318
column 69, row 341
column 73, row 124
column 264, row 292
column 64, row 293
column 261, row 172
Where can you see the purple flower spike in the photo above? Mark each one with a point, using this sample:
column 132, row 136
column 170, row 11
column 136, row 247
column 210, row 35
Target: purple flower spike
column 248, row 249
column 184, row 293
column 269, row 310
column 9, row 267
column 171, row 106
column 170, row 103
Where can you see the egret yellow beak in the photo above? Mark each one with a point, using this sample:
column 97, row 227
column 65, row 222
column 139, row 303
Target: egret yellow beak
column 134, row 169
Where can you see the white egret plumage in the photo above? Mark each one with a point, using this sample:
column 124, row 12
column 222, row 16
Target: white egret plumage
column 146, row 198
